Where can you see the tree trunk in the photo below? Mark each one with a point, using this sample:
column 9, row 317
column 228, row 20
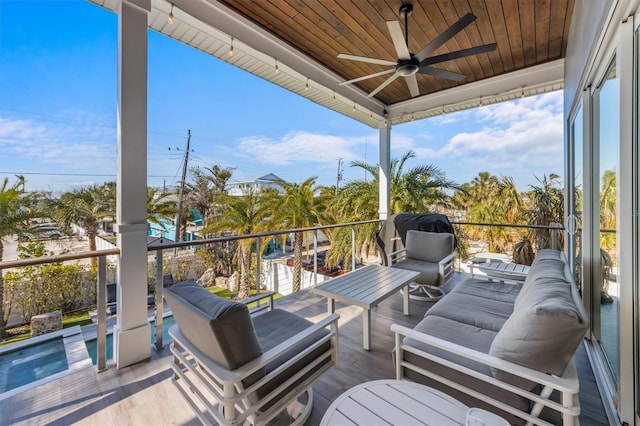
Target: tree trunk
column 297, row 262
column 92, row 247
column 3, row 323
column 245, row 269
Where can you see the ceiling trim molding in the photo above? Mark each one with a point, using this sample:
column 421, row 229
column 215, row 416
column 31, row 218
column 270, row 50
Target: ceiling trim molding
column 529, row 81
column 219, row 16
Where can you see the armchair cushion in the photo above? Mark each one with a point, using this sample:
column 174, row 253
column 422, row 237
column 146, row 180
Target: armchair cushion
column 276, row 326
column 429, row 246
column 219, row 328
column 428, row 271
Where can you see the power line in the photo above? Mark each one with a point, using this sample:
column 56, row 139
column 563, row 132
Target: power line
column 72, row 174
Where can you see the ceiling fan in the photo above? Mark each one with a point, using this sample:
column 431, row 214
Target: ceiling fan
column 408, row 64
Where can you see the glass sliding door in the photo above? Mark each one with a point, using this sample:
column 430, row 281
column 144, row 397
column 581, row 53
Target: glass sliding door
column 605, row 286
column 575, row 196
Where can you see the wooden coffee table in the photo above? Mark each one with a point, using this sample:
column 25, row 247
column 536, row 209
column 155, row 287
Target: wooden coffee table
column 366, row 287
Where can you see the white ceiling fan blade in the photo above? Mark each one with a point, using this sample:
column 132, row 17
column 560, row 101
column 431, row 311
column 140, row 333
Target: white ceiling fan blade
column 398, row 40
column 383, row 85
column 368, row 76
column 365, row 59
column 412, row 84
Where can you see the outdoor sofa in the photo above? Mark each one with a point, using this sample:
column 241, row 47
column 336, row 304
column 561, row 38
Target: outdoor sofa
column 505, row 347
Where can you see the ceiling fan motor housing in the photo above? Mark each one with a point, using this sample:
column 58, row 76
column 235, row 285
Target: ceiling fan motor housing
column 407, row 67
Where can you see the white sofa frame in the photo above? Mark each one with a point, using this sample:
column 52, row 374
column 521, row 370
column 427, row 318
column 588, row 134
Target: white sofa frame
column 217, row 394
column 567, row 384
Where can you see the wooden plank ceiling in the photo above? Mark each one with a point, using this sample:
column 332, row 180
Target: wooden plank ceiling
column 527, row 32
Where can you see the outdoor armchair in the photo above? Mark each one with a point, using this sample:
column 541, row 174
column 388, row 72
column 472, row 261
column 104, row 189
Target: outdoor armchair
column 234, row 370
column 430, row 253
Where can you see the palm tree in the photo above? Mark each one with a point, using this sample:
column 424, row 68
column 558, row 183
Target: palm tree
column 14, row 214
column 545, row 206
column 160, row 207
column 489, row 199
column 297, row 207
column 242, row 215
column 208, row 185
column 415, row 190
column 85, row 207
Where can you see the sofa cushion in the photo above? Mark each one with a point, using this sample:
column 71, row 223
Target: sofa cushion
column 428, row 246
column 428, row 271
column 546, row 327
column 477, row 311
column 471, row 337
column 219, row 328
column 548, row 265
column 489, row 289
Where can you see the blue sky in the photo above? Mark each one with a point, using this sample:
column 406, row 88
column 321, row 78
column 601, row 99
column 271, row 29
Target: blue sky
column 58, row 114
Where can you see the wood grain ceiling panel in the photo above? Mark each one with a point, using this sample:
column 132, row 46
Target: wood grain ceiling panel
column 528, row 32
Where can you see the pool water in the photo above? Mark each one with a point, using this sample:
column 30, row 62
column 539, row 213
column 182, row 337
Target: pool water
column 92, row 344
column 31, row 363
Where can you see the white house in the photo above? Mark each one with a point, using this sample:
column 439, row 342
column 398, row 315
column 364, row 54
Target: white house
column 238, row 188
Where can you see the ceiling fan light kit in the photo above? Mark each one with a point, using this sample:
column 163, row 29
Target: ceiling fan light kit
column 408, row 64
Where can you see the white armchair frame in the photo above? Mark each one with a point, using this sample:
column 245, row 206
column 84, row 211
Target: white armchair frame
column 217, row 394
column 567, row 384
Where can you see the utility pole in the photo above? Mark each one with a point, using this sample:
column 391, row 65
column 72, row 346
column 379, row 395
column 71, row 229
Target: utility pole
column 180, row 193
column 339, row 177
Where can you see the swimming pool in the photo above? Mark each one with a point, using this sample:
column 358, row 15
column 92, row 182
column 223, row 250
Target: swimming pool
column 92, row 344
column 26, row 364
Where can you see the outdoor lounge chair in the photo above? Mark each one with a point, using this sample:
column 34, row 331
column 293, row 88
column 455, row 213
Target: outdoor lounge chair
column 430, row 253
column 233, row 370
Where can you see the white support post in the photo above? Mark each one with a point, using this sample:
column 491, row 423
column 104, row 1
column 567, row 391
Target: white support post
column 131, row 343
column 385, row 168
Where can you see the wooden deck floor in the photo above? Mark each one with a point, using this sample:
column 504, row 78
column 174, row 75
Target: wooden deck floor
column 144, row 395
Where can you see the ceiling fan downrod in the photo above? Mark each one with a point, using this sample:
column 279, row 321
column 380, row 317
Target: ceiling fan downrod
column 405, row 12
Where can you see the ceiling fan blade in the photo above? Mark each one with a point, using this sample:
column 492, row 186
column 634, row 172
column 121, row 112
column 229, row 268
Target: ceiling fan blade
column 398, row 40
column 459, row 54
column 437, row 72
column 383, row 85
column 368, row 76
column 365, row 59
column 412, row 84
column 445, row 36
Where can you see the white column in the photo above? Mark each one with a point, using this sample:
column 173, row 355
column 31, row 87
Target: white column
column 132, row 332
column 385, row 168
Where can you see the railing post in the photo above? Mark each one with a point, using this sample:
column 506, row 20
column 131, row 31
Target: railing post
column 258, row 266
column 315, row 257
column 158, row 299
column 353, row 247
column 101, row 300
column 554, row 239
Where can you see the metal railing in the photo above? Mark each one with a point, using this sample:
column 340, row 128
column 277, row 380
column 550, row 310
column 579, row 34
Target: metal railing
column 158, row 248
column 554, row 229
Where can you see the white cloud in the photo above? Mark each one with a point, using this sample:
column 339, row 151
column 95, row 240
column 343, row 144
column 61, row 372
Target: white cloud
column 299, row 147
column 520, row 138
column 79, row 143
